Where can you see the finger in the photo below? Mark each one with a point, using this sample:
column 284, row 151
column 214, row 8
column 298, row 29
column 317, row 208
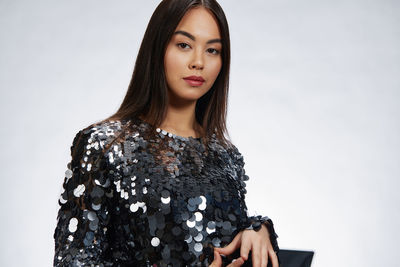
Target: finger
column 264, row 257
column 238, row 262
column 274, row 258
column 231, row 247
column 244, row 249
column 217, row 262
column 256, row 255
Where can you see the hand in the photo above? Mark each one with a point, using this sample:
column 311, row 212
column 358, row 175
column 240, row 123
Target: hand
column 258, row 242
column 217, row 262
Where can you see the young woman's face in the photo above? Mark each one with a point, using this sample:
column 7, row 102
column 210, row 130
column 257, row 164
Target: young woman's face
column 194, row 50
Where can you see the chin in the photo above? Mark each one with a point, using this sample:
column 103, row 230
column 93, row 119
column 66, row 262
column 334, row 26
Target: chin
column 188, row 96
column 192, row 97
column 189, row 93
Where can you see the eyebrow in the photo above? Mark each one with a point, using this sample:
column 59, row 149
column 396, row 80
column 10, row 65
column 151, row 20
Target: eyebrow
column 194, row 39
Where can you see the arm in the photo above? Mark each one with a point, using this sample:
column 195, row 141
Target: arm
column 252, row 222
column 84, row 215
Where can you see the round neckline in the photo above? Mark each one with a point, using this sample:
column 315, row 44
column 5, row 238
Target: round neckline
column 165, row 132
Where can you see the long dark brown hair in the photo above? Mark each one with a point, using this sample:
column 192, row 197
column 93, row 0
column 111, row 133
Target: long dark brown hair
column 147, row 91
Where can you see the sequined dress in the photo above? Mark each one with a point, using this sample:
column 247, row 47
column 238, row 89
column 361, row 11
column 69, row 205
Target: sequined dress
column 134, row 199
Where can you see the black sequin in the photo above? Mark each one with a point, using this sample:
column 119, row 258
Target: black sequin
column 134, row 199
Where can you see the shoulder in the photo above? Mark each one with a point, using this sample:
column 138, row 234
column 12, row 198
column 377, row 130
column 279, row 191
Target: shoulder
column 234, row 153
column 226, row 149
column 238, row 161
column 97, row 137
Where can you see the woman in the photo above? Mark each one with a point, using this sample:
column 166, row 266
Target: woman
column 157, row 183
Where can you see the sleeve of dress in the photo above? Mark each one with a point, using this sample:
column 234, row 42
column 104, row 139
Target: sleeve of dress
column 83, row 217
column 252, row 222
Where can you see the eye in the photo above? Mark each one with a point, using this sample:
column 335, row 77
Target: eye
column 213, row 51
column 182, row 45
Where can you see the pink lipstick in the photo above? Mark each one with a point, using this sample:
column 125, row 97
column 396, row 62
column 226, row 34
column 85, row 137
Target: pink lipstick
column 194, row 80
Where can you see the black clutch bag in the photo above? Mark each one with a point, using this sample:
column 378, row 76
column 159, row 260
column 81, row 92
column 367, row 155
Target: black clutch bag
column 286, row 258
column 295, row 258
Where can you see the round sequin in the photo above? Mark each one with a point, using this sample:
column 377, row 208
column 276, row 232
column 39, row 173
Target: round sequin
column 211, row 224
column 68, row 174
column 198, row 247
column 164, row 199
column 155, row 241
column 210, row 231
column 198, row 216
column 73, row 223
column 188, row 238
column 190, row 223
column 198, row 237
column 62, row 200
column 78, row 191
column 134, row 207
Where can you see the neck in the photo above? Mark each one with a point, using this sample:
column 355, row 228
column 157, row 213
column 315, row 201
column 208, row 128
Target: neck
column 182, row 121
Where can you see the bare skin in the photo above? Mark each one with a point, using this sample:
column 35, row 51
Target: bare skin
column 258, row 242
column 195, row 49
column 218, row 261
column 186, row 57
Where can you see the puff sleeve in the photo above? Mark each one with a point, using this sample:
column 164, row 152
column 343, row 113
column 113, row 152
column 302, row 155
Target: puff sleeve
column 251, row 222
column 81, row 234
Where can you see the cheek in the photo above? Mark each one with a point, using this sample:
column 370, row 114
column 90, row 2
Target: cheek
column 173, row 64
column 169, row 64
column 215, row 68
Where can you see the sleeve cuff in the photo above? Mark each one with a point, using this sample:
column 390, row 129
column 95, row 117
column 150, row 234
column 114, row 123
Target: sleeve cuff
column 255, row 222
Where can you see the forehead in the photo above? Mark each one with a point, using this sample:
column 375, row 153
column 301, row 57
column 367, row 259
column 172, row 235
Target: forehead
column 200, row 22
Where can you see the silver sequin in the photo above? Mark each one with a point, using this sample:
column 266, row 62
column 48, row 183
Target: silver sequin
column 165, row 200
column 78, row 191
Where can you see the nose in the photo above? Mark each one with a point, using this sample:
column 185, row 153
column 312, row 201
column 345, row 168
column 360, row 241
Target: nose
column 197, row 61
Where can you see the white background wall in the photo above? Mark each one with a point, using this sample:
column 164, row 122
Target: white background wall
column 314, row 109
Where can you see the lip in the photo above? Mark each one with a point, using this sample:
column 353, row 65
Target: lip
column 194, row 80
